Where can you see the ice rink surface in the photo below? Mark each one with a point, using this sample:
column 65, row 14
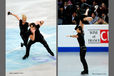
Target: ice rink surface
column 70, row 65
column 38, row 54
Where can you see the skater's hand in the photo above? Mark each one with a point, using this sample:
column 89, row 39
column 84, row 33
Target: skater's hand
column 39, row 22
column 9, row 13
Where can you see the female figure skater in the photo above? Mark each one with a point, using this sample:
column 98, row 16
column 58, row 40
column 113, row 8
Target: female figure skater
column 83, row 19
column 36, row 36
column 23, row 25
column 81, row 41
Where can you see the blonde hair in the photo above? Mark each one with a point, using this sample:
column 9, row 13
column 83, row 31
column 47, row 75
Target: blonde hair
column 24, row 16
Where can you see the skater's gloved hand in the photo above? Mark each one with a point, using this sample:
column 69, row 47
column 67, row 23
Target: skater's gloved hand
column 9, row 13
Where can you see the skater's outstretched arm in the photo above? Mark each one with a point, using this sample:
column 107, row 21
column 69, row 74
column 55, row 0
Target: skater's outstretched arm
column 73, row 36
column 39, row 22
column 9, row 13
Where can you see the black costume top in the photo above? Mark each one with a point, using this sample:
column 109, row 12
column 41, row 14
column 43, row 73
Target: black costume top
column 23, row 28
column 80, row 39
column 38, row 35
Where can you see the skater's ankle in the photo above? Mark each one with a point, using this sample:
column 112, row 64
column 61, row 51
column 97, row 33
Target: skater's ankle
column 24, row 57
column 84, row 72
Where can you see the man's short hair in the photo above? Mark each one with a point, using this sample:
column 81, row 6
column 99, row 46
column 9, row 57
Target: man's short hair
column 32, row 24
column 79, row 27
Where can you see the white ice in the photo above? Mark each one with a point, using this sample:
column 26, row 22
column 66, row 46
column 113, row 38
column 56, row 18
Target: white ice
column 70, row 65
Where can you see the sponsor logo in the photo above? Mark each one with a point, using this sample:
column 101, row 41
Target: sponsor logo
column 97, row 36
column 104, row 36
column 93, row 36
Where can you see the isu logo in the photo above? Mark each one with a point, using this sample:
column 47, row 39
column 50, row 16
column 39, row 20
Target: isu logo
column 104, row 36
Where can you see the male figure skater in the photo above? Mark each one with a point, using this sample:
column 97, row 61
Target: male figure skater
column 81, row 41
column 36, row 36
column 23, row 25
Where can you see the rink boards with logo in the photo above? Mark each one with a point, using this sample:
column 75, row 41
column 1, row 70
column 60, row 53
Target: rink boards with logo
column 96, row 38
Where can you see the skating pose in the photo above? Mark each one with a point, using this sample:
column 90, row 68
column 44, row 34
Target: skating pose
column 81, row 41
column 23, row 25
column 36, row 36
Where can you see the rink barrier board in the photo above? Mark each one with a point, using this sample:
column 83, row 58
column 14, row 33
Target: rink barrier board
column 77, row 49
column 96, row 38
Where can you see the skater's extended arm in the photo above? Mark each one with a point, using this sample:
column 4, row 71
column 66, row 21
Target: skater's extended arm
column 9, row 13
column 40, row 23
column 73, row 36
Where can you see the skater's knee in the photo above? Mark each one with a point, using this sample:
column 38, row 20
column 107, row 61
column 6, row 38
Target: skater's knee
column 45, row 45
column 28, row 46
